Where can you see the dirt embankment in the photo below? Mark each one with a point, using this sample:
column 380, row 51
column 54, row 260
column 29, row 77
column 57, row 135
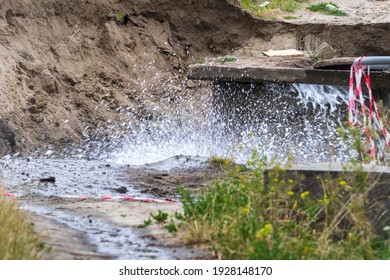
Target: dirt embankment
column 68, row 67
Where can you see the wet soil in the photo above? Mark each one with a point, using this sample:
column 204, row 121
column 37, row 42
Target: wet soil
column 85, row 213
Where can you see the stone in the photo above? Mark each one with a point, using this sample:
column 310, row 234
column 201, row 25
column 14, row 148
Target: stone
column 325, row 51
column 49, row 82
column 7, row 138
column 191, row 84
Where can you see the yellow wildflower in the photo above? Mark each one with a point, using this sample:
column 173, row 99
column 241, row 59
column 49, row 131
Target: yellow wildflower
column 266, row 230
column 304, row 194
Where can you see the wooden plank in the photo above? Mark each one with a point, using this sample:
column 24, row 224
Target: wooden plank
column 290, row 52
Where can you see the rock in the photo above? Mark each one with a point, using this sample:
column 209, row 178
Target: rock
column 48, row 179
column 37, row 119
column 7, row 138
column 191, row 84
column 33, row 109
column 49, row 82
column 325, row 51
column 121, row 190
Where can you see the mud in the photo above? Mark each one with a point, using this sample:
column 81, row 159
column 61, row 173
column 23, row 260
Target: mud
column 94, row 228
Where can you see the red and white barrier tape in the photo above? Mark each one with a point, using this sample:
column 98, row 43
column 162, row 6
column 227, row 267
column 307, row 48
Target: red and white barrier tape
column 109, row 198
column 356, row 99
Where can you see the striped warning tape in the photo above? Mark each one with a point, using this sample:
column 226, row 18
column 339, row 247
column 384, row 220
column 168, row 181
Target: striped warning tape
column 358, row 74
column 109, row 198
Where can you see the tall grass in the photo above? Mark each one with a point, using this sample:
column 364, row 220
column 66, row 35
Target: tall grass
column 249, row 216
column 17, row 238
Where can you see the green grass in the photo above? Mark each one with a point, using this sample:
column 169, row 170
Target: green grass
column 273, row 8
column 326, row 8
column 17, row 238
column 249, row 216
column 223, row 161
column 160, row 217
column 145, row 224
column 120, row 18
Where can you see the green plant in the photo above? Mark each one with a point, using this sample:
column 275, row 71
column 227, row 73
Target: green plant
column 179, row 216
column 201, row 61
column 224, row 161
column 328, row 8
column 171, row 227
column 270, row 9
column 120, row 18
column 229, row 58
column 255, row 214
column 160, row 217
column 290, row 17
column 17, row 238
column 145, row 224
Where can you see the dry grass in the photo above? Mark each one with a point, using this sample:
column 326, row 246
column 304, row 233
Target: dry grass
column 17, row 238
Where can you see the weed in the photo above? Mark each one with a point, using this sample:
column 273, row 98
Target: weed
column 160, row 217
column 17, row 238
column 171, row 227
column 123, row 215
column 228, row 58
column 179, row 216
column 145, row 224
column 357, row 138
column 254, row 214
column 201, row 61
column 273, row 8
column 224, row 161
column 328, row 8
column 290, row 17
column 120, row 18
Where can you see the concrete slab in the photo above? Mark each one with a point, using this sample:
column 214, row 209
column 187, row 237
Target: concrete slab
column 375, row 179
column 339, row 63
column 340, row 167
column 260, row 70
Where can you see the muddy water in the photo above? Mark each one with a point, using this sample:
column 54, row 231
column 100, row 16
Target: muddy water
column 72, row 177
column 90, row 217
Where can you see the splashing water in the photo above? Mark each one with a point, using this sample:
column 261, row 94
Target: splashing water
column 279, row 121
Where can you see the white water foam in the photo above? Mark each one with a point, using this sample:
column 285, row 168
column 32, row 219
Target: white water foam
column 279, row 121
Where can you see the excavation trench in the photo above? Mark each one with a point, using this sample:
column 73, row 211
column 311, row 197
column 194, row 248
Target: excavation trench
column 95, row 197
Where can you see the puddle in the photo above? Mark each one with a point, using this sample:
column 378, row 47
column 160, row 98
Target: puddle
column 118, row 242
column 80, row 177
column 72, row 177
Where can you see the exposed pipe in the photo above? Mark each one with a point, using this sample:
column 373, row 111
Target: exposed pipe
column 375, row 62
